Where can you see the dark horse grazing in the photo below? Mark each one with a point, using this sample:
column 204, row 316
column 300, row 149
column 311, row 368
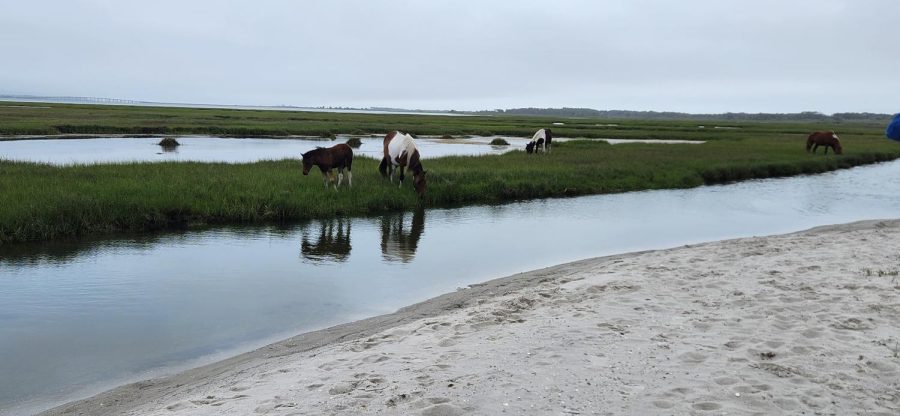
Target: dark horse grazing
column 824, row 138
column 540, row 140
column 339, row 156
column 400, row 152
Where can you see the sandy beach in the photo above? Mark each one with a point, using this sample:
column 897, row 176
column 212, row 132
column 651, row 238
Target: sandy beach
column 803, row 323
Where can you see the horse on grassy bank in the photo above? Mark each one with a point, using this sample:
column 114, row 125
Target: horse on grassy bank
column 400, row 152
column 824, row 138
column 540, row 141
column 339, row 156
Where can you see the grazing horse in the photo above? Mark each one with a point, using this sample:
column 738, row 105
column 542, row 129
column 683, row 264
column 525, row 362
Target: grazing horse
column 540, row 140
column 400, row 152
column 824, row 138
column 339, row 156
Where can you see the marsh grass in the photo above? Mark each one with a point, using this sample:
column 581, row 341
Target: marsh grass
column 45, row 202
column 100, row 119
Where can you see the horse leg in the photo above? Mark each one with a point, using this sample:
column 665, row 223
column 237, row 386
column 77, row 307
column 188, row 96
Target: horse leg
column 401, row 176
column 349, row 178
column 340, row 177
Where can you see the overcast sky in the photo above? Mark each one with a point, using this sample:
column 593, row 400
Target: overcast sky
column 663, row 55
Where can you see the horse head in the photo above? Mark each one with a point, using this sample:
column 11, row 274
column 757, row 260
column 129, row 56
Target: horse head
column 836, row 145
column 309, row 159
column 419, row 182
column 307, row 163
column 529, row 147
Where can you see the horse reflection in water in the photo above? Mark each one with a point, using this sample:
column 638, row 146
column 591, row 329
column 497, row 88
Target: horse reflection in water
column 331, row 244
column 400, row 240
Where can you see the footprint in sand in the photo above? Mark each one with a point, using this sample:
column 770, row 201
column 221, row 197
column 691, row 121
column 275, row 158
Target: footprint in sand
column 663, row 404
column 726, row 381
column 707, row 406
column 442, row 409
column 693, row 357
column 178, row 406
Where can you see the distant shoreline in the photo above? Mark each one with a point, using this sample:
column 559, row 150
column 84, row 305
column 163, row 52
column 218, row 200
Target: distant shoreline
column 527, row 111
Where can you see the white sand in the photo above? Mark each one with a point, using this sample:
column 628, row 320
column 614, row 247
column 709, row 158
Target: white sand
column 792, row 324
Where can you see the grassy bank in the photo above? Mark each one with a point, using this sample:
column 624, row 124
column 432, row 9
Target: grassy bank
column 54, row 119
column 44, row 202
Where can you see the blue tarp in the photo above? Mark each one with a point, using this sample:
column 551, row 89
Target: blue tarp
column 893, row 128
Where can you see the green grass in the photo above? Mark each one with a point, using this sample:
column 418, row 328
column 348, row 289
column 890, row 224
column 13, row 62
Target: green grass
column 41, row 202
column 32, row 119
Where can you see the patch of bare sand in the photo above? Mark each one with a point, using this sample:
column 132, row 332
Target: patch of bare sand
column 791, row 324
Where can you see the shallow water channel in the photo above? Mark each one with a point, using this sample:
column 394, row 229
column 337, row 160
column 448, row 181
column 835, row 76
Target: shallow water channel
column 244, row 150
column 218, row 149
column 80, row 316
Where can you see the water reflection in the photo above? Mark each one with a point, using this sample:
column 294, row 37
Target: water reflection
column 331, row 244
column 76, row 316
column 399, row 240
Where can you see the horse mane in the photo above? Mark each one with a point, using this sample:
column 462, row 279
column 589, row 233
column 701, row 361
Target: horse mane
column 314, row 151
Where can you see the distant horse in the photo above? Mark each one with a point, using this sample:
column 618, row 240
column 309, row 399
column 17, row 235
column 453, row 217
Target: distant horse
column 339, row 156
column 824, row 138
column 400, row 152
column 540, row 140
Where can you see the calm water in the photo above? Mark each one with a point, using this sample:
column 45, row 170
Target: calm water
column 211, row 149
column 76, row 317
column 245, row 150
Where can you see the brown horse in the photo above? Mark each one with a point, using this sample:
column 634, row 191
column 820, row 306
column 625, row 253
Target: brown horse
column 400, row 152
column 824, row 138
column 339, row 156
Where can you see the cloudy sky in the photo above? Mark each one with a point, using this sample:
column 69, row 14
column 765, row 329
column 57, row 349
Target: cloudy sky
column 688, row 55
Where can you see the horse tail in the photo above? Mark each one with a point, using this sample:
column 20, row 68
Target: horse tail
column 383, row 167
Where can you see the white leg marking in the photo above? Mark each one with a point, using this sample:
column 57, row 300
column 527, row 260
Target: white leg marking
column 350, row 178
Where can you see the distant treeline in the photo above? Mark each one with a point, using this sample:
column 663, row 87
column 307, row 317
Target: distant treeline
column 669, row 115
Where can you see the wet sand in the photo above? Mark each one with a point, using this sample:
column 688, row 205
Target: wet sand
column 800, row 323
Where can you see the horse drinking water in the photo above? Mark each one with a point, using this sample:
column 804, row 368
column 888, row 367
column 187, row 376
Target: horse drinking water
column 400, row 152
column 339, row 156
column 540, row 140
column 824, row 138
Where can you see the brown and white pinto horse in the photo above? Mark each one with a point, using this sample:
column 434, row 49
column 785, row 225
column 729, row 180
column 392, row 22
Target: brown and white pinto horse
column 339, row 156
column 824, row 138
column 540, row 140
column 400, row 152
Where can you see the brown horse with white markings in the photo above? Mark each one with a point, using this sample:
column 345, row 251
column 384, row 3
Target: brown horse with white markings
column 824, row 138
column 339, row 156
column 400, row 151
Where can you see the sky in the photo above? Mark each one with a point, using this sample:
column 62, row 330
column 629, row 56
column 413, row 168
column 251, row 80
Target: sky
column 700, row 56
